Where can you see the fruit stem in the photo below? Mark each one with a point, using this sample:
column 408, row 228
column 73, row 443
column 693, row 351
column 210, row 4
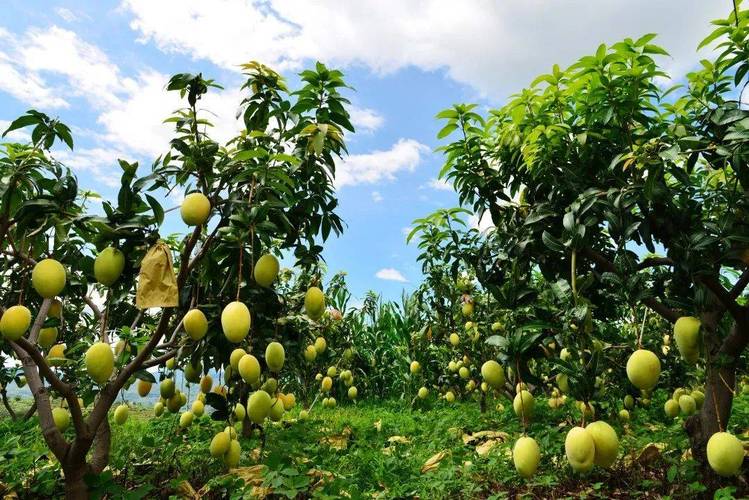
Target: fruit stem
column 573, row 274
column 239, row 273
column 522, row 404
column 642, row 329
column 105, row 319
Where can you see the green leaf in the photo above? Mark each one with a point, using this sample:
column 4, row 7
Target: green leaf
column 21, row 122
column 551, row 242
column 145, row 375
column 447, row 130
column 158, row 211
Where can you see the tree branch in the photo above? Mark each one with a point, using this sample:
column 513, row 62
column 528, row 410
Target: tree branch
column 206, row 245
column 51, row 434
column 66, row 390
column 109, row 393
column 161, row 359
column 90, row 303
column 137, row 319
column 723, row 296
column 655, row 262
column 653, row 303
column 30, row 411
column 740, row 285
column 41, row 316
column 4, row 395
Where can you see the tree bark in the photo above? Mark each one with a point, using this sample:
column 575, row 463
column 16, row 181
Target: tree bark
column 100, row 457
column 720, row 384
column 75, row 486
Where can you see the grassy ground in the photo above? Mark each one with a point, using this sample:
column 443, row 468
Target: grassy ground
column 375, row 451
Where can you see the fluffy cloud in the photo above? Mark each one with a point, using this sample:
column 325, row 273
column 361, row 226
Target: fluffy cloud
column 87, row 69
column 66, row 14
column 376, row 196
column 100, row 163
column 28, row 87
column 130, row 110
column 377, row 166
column 365, row 119
column 440, row 185
column 390, row 274
column 483, row 223
column 496, row 47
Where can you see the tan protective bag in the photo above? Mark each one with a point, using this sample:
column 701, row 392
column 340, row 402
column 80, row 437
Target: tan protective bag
column 157, row 285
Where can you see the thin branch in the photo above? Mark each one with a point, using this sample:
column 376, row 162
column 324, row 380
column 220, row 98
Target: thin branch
column 723, row 296
column 655, row 262
column 654, row 304
column 39, row 320
column 204, row 247
column 90, row 303
column 740, row 285
column 30, row 411
column 161, row 359
column 173, row 336
column 4, row 396
column 109, row 393
column 137, row 319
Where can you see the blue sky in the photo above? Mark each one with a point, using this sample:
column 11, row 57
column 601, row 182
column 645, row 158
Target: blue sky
column 101, row 67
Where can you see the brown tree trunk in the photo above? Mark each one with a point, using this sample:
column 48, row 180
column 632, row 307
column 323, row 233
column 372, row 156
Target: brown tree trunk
column 719, row 386
column 75, row 486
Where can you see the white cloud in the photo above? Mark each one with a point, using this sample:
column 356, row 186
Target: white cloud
column 131, row 110
column 365, row 119
column 101, row 163
column 376, row 196
column 25, row 86
column 136, row 121
column 483, row 224
column 377, row 166
column 390, row 274
column 66, row 14
column 88, row 71
column 440, row 185
column 496, row 47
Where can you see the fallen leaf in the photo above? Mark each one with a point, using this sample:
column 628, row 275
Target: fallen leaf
column 378, row 425
column 484, row 448
column 185, row 490
column 321, row 476
column 482, row 435
column 399, row 439
column 649, row 453
column 433, row 462
column 338, row 441
column 252, row 475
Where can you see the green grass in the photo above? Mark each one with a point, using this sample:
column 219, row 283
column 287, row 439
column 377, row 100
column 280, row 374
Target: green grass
column 151, row 457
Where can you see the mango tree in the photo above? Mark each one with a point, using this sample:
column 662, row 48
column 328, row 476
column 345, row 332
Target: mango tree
column 93, row 279
column 628, row 190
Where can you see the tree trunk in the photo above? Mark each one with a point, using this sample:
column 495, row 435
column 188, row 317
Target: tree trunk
column 75, row 486
column 719, row 386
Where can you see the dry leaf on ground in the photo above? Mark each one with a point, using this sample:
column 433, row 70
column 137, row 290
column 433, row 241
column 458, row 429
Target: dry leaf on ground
column 434, row 461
